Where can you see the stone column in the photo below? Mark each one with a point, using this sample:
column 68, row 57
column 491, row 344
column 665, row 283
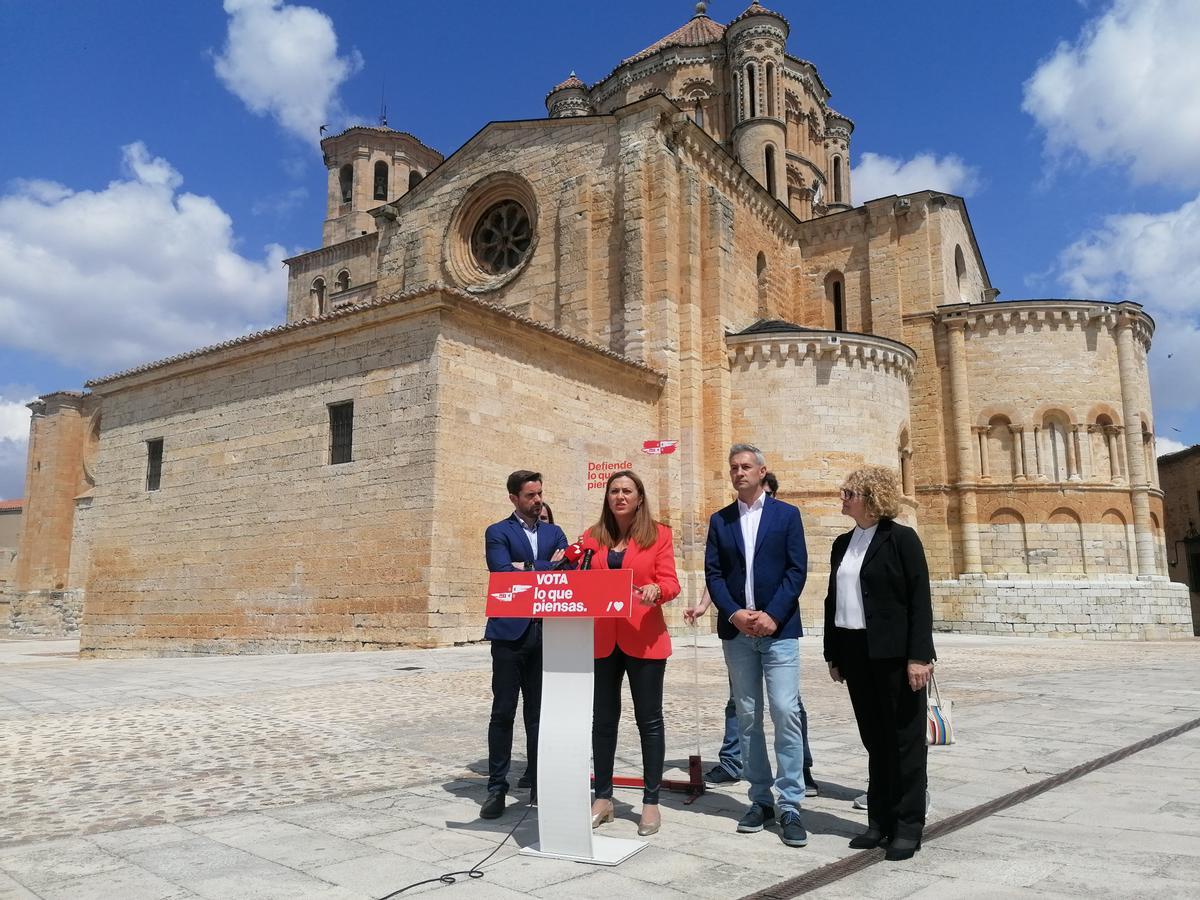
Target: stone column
column 1134, row 456
column 981, row 435
column 965, row 486
column 1114, row 452
column 1018, row 451
column 1072, row 453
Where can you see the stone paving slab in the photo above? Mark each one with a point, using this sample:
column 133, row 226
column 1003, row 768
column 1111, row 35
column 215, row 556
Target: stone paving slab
column 350, row 775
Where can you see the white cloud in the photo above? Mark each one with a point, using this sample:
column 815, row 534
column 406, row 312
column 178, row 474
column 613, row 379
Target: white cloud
column 881, row 176
column 1153, row 259
column 1127, row 91
column 1166, row 445
column 137, row 271
column 283, row 61
column 14, row 443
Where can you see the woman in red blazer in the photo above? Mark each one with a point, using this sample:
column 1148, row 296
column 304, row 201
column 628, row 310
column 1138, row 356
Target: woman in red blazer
column 627, row 537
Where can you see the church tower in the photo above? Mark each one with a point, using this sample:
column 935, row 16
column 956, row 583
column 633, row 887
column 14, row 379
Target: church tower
column 757, row 42
column 369, row 166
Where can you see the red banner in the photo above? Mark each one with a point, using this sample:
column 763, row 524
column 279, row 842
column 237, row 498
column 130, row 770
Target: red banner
column 595, row 594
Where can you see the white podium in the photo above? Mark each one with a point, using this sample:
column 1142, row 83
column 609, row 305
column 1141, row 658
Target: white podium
column 565, row 751
column 567, row 602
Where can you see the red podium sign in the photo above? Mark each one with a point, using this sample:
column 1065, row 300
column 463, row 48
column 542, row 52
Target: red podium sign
column 590, row 594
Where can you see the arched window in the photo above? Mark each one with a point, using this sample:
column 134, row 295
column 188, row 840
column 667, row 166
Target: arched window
column 698, row 113
column 318, row 294
column 769, row 160
column 752, row 92
column 414, row 178
column 346, row 179
column 906, row 475
column 381, row 180
column 835, row 287
column 1001, row 450
column 343, row 280
column 770, row 89
column 837, row 179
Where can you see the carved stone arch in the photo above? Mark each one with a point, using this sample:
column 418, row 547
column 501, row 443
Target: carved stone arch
column 1005, row 543
column 1060, row 545
column 795, row 178
column 1008, row 410
column 1104, row 409
column 793, row 109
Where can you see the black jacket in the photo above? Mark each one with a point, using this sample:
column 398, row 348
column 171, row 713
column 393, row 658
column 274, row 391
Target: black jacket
column 895, row 589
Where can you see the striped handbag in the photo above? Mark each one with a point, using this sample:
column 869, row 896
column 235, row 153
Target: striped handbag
column 939, row 726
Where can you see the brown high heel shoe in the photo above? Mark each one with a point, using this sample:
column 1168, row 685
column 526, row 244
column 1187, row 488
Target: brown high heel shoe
column 602, row 811
column 651, row 820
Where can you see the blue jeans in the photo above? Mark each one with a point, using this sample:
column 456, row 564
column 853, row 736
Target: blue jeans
column 776, row 661
column 730, row 754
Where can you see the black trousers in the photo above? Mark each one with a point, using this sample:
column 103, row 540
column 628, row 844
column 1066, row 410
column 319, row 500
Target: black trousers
column 891, row 723
column 646, row 687
column 516, row 671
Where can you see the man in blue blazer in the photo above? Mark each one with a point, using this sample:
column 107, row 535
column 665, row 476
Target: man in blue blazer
column 755, row 564
column 520, row 542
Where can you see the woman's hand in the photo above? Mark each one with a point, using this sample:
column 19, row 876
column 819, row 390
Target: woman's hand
column 835, row 674
column 919, row 673
column 650, row 594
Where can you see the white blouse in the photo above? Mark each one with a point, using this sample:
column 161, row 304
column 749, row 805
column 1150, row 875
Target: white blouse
column 850, row 612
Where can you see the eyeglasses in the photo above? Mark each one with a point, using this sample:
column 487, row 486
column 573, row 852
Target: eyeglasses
column 848, row 494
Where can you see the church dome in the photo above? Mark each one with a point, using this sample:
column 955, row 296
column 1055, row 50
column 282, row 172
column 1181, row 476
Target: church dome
column 696, row 32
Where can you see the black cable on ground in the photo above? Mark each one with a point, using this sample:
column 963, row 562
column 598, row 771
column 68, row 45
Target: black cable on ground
column 474, row 872
column 836, row 871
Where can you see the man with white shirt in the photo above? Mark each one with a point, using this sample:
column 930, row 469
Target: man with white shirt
column 755, row 565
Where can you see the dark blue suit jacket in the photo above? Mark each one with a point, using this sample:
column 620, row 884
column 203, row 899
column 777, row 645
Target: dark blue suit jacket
column 780, row 566
column 504, row 544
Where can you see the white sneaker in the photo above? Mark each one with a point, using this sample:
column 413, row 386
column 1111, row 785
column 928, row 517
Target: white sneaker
column 860, row 802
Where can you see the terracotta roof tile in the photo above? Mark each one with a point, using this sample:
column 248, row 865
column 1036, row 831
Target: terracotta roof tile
column 6, row 505
column 696, row 32
column 571, row 82
column 757, row 9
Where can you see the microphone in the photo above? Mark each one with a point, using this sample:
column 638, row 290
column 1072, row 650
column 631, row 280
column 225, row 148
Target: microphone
column 587, row 559
column 570, row 556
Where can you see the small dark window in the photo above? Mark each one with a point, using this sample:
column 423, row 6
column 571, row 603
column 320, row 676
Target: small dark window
column 154, row 454
column 346, row 180
column 698, row 113
column 837, row 179
column 318, row 292
column 769, row 162
column 343, row 280
column 414, row 178
column 381, row 180
column 1194, row 565
column 341, row 432
column 839, row 315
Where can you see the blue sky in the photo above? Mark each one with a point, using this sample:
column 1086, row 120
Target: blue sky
column 162, row 158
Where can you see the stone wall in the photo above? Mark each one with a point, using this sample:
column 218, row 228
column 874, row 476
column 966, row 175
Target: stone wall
column 44, row 613
column 1105, row 607
column 356, row 256
column 255, row 542
column 1180, row 477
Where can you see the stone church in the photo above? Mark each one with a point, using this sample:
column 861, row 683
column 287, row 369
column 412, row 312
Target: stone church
column 674, row 253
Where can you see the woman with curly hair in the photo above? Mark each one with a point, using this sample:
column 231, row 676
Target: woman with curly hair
column 879, row 642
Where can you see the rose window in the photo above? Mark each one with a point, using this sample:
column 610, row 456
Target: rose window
column 502, row 237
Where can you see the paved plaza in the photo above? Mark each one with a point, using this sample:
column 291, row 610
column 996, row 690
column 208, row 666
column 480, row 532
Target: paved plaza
column 352, row 775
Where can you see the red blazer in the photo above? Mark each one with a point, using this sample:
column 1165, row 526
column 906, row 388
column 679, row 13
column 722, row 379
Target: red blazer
column 645, row 634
